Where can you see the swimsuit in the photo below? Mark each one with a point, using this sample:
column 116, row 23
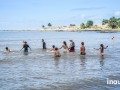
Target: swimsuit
column 57, row 55
column 25, row 48
column 44, row 45
column 82, row 53
column 72, row 49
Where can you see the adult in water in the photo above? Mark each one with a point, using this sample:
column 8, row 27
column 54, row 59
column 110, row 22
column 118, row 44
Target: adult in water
column 65, row 47
column 43, row 44
column 26, row 46
column 82, row 49
column 102, row 50
column 72, row 46
column 57, row 53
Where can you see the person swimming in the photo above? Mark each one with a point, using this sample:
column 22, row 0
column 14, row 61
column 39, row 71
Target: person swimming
column 26, row 46
column 7, row 49
column 64, row 46
column 57, row 53
column 43, row 44
column 113, row 38
column 82, row 49
column 72, row 46
column 101, row 50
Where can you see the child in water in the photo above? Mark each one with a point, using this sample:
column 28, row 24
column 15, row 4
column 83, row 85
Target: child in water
column 65, row 47
column 82, row 49
column 101, row 50
column 72, row 46
column 25, row 46
column 44, row 44
column 53, row 48
column 57, row 53
column 7, row 49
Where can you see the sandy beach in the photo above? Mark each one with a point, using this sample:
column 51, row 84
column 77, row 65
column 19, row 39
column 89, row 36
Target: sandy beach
column 77, row 28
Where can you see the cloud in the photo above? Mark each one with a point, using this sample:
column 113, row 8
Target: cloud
column 88, row 8
column 117, row 13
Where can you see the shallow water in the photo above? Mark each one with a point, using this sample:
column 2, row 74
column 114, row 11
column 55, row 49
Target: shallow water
column 40, row 71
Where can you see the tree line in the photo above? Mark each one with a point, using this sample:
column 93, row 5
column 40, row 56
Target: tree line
column 111, row 22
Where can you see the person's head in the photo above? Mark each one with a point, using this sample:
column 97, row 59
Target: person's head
column 53, row 46
column 101, row 45
column 82, row 43
column 25, row 42
column 56, row 48
column 64, row 42
column 71, row 40
column 42, row 40
column 6, row 48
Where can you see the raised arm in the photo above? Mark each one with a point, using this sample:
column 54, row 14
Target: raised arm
column 106, row 47
column 97, row 48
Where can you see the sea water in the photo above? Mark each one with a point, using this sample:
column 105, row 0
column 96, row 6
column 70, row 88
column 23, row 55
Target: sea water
column 40, row 71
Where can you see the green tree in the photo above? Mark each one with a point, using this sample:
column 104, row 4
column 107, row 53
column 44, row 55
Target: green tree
column 113, row 22
column 43, row 26
column 72, row 25
column 89, row 23
column 82, row 26
column 49, row 24
column 105, row 21
column 119, row 23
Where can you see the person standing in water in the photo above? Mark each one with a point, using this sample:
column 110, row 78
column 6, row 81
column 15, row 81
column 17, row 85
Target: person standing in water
column 72, row 46
column 57, row 53
column 26, row 46
column 65, row 47
column 101, row 50
column 82, row 49
column 43, row 44
column 23, row 43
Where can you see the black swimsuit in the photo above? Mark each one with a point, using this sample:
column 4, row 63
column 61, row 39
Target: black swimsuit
column 44, row 45
column 25, row 48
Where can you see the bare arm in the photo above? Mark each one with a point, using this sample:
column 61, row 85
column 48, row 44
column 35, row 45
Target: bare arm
column 21, row 49
column 61, row 47
column 30, row 48
column 106, row 47
column 97, row 48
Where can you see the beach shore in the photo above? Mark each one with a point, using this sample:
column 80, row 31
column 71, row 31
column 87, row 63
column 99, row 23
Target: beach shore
column 77, row 28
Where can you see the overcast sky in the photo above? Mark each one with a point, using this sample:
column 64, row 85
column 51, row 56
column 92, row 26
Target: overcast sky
column 32, row 14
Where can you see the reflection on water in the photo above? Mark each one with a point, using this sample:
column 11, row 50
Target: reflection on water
column 39, row 70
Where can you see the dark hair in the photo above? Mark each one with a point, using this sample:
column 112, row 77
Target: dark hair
column 6, row 48
column 25, row 42
column 82, row 43
column 56, row 48
column 101, row 45
column 42, row 40
column 64, row 42
column 53, row 46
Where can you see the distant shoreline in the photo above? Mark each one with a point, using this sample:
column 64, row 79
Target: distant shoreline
column 60, row 30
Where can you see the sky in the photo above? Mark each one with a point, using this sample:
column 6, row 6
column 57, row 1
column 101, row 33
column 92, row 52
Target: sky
column 32, row 14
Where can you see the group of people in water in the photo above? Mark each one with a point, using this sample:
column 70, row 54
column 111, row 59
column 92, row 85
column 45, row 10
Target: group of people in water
column 70, row 48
